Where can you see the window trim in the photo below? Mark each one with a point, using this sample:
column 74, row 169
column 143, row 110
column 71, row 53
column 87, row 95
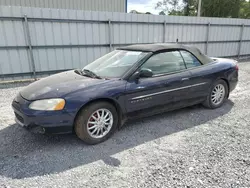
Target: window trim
column 197, row 67
column 168, row 73
column 203, row 65
column 193, row 56
column 135, row 68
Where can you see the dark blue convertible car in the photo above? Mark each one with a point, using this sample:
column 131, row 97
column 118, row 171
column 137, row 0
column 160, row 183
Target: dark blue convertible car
column 130, row 82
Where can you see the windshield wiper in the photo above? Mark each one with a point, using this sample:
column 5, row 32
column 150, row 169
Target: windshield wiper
column 79, row 71
column 90, row 73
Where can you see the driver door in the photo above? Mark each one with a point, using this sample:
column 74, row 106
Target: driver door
column 167, row 85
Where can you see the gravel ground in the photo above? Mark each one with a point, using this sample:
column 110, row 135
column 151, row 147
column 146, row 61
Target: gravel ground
column 191, row 147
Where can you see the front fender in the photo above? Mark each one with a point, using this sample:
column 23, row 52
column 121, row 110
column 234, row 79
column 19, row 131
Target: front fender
column 114, row 91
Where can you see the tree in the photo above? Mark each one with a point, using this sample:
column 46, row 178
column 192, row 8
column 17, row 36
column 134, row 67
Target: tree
column 178, row 7
column 162, row 13
column 222, row 8
column 170, row 5
column 133, row 12
column 245, row 9
column 190, row 7
column 136, row 12
column 176, row 13
column 209, row 8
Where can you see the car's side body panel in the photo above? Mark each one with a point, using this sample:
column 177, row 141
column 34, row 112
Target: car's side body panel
column 228, row 71
column 114, row 90
column 151, row 92
column 153, row 95
column 62, row 121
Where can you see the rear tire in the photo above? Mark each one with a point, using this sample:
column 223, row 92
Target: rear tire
column 92, row 126
column 217, row 95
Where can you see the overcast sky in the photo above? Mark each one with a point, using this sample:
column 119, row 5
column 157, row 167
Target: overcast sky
column 143, row 6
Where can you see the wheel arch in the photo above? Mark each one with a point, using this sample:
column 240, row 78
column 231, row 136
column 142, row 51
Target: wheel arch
column 111, row 101
column 228, row 86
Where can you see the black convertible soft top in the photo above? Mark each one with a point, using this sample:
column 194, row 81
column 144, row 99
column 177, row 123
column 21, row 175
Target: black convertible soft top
column 155, row 48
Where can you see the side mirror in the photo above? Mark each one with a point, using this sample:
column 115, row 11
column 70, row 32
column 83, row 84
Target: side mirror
column 145, row 73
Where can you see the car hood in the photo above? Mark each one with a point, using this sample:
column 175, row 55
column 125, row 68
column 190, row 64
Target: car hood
column 58, row 85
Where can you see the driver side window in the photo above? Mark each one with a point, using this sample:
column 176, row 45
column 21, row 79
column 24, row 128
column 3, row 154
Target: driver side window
column 164, row 63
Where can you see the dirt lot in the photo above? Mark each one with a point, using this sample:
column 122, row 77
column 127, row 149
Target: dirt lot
column 192, row 147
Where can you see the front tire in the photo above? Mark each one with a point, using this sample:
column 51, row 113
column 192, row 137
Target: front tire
column 217, row 95
column 96, row 122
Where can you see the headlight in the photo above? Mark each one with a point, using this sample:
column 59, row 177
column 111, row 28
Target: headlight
column 48, row 104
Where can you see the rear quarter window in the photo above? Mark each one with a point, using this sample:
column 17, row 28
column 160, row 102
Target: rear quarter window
column 190, row 59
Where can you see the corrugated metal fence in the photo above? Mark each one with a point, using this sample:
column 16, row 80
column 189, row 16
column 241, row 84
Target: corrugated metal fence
column 93, row 5
column 37, row 42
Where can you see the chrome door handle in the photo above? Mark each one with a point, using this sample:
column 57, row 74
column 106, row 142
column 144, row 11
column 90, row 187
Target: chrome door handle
column 183, row 79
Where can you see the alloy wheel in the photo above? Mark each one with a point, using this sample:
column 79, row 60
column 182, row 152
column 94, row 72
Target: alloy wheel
column 218, row 94
column 100, row 123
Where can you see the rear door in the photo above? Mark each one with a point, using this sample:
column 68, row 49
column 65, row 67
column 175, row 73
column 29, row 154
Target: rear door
column 170, row 83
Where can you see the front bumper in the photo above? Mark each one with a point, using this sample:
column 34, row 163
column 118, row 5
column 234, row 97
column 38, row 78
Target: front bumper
column 54, row 122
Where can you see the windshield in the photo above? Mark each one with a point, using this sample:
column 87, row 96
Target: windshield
column 114, row 64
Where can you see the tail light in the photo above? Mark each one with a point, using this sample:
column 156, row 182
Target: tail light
column 236, row 67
